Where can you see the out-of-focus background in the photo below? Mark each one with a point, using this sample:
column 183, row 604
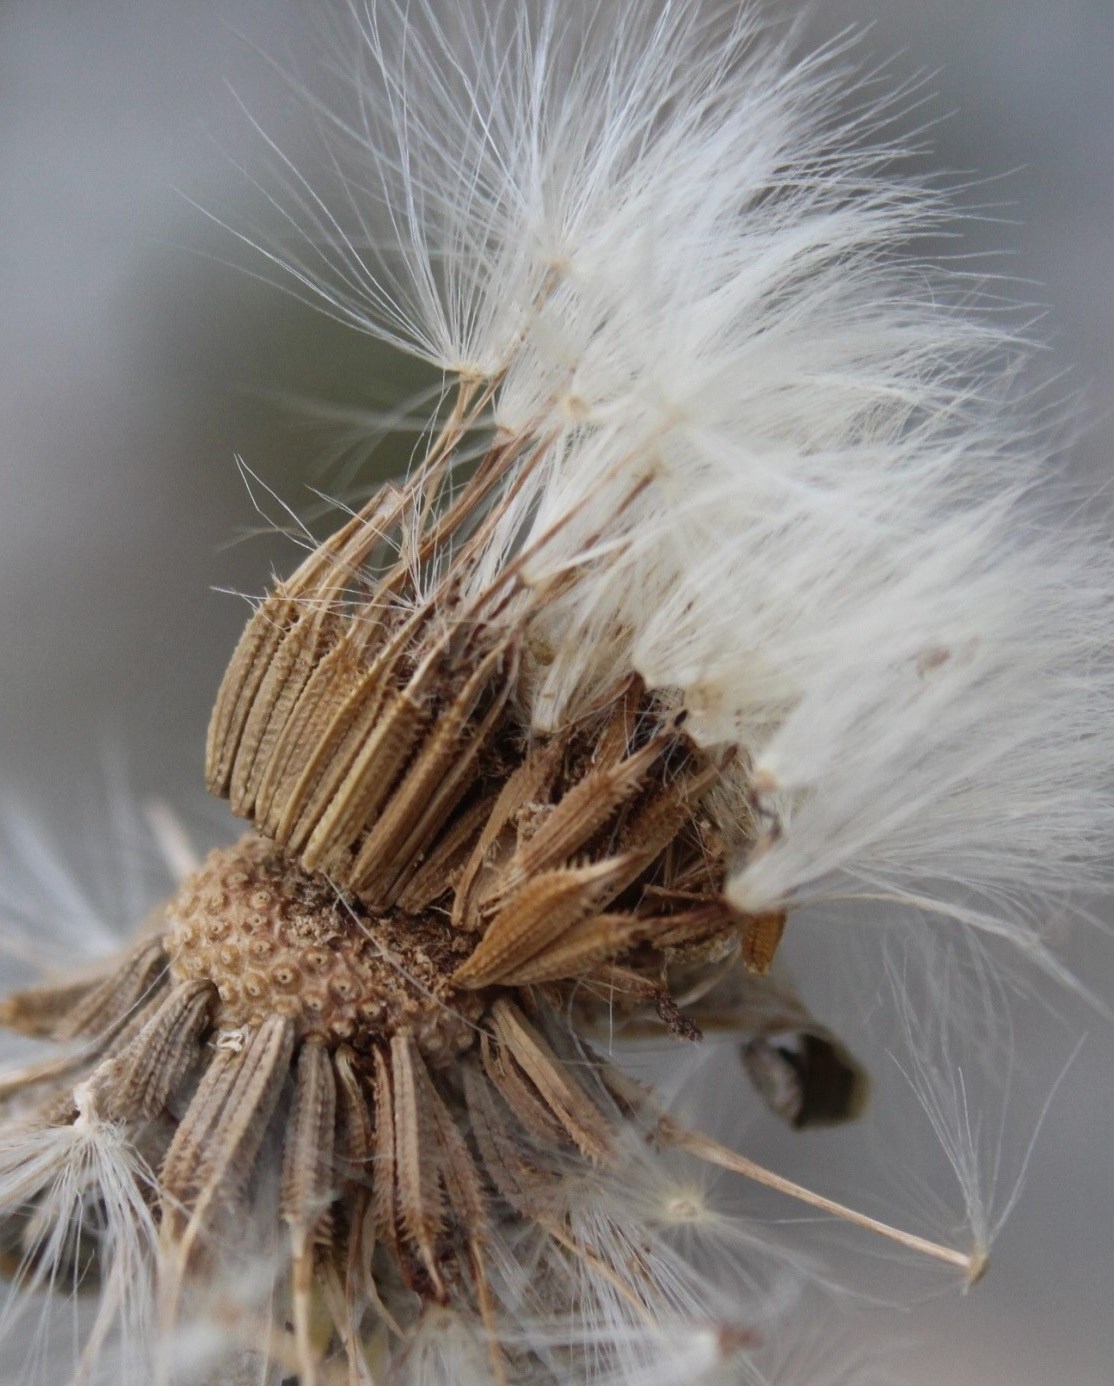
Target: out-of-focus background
column 138, row 365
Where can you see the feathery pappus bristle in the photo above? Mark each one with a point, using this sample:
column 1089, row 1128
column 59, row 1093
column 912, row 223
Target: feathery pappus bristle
column 785, row 462
column 725, row 586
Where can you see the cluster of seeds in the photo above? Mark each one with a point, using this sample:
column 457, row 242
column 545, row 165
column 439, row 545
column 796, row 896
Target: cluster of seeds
column 370, row 982
column 383, row 993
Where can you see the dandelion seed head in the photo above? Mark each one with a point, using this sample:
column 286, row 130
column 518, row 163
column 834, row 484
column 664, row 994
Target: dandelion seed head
column 724, row 587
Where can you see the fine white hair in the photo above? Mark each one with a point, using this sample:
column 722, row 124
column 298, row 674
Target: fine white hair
column 789, row 464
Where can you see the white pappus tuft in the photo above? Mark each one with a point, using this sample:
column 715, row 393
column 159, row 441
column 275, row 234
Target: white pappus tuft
column 80, row 1196
column 779, row 453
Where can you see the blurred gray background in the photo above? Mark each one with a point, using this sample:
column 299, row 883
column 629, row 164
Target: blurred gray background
column 138, row 365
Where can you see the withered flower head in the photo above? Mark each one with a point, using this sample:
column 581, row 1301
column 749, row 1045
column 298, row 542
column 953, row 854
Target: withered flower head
column 716, row 594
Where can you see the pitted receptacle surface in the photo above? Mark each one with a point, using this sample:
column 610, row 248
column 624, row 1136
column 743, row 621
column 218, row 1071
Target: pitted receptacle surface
column 276, row 940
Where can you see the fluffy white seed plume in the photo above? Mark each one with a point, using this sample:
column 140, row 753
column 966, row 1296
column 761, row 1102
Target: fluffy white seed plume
column 70, row 1189
column 775, row 454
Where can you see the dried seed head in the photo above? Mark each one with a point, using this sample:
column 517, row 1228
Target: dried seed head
column 707, row 598
column 277, row 940
column 364, row 993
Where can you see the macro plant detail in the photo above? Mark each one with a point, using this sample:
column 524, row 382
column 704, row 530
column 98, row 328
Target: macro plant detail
column 383, row 968
column 720, row 591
